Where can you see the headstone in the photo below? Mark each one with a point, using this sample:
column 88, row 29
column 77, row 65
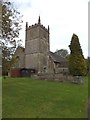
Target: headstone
column 78, row 80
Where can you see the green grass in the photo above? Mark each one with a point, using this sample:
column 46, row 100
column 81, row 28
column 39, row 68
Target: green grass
column 27, row 98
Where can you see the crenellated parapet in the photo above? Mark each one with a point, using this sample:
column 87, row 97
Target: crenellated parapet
column 37, row 25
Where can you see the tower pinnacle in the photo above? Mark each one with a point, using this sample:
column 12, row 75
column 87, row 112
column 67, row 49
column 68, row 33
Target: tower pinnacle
column 26, row 25
column 39, row 20
column 48, row 28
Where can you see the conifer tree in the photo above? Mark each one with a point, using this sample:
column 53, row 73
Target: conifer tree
column 77, row 63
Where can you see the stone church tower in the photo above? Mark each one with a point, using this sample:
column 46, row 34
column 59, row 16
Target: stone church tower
column 37, row 55
column 37, row 47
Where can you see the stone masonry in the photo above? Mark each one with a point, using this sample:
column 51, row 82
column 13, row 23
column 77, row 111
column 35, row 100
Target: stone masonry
column 36, row 54
column 37, row 47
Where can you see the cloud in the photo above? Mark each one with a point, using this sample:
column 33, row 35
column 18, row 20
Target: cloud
column 21, row 4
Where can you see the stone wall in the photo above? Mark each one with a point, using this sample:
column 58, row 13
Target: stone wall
column 31, row 61
column 36, row 61
column 50, row 65
column 32, row 33
column 20, row 56
column 53, row 77
column 37, row 47
column 32, row 46
column 61, row 70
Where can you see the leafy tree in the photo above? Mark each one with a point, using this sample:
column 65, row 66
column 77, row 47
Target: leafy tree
column 77, row 63
column 11, row 25
column 88, row 65
column 62, row 52
column 7, row 60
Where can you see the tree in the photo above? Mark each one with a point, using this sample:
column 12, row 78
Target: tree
column 62, row 52
column 11, row 25
column 7, row 60
column 77, row 63
column 88, row 65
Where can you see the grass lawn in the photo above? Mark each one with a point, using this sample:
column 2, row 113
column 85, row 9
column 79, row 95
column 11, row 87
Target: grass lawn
column 27, row 98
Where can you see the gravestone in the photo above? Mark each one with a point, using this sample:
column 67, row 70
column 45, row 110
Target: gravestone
column 78, row 80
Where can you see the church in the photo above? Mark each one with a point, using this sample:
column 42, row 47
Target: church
column 37, row 55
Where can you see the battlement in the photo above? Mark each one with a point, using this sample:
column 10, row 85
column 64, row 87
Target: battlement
column 37, row 25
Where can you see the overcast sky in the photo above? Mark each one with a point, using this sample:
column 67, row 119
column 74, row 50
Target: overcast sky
column 64, row 17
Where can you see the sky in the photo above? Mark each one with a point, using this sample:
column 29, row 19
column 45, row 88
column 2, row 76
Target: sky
column 64, row 18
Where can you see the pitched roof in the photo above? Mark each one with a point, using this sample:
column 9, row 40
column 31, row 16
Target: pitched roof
column 57, row 58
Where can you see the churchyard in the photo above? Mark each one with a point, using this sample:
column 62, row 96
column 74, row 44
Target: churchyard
column 40, row 82
column 27, row 98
